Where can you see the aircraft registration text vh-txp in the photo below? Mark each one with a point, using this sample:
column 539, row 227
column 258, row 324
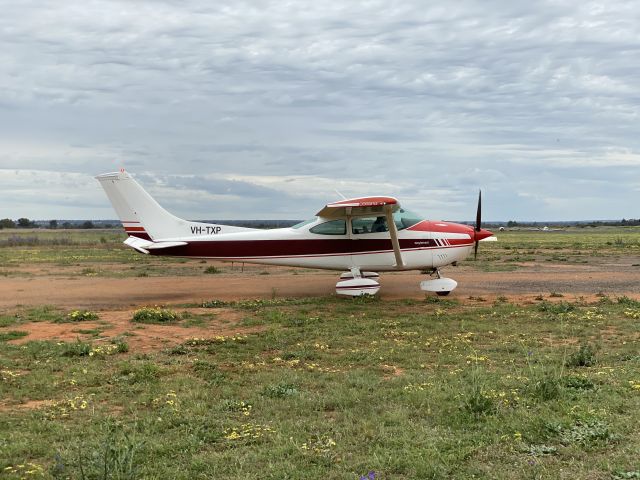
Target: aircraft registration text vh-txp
column 361, row 236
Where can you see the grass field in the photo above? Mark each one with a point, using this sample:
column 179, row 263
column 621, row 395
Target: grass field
column 327, row 388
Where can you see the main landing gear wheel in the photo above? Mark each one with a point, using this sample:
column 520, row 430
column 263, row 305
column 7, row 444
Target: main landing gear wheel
column 357, row 284
column 440, row 286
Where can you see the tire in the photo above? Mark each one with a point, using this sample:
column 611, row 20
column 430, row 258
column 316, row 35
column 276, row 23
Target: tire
column 442, row 294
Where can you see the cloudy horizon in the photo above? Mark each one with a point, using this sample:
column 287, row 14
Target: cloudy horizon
column 264, row 109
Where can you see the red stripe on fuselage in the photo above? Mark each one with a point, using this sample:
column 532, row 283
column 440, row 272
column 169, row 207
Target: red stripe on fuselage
column 294, row 248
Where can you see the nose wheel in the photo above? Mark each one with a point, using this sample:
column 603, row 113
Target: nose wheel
column 440, row 285
column 356, row 283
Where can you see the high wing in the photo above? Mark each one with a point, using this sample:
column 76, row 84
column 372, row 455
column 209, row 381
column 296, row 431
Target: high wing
column 378, row 206
column 359, row 206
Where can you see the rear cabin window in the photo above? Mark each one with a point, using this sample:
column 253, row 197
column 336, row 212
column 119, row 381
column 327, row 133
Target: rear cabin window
column 334, row 227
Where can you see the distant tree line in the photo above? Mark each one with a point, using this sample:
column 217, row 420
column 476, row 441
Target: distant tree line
column 631, row 222
column 20, row 223
column 53, row 224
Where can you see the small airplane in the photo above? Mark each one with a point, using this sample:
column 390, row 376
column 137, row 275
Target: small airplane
column 362, row 236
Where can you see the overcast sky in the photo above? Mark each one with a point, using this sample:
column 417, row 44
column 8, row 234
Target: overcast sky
column 261, row 109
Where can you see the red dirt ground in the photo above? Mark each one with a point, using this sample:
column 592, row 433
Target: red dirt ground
column 140, row 337
column 109, row 293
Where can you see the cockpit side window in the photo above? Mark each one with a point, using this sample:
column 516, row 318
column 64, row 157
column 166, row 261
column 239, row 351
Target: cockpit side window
column 402, row 218
column 334, row 227
column 368, row 225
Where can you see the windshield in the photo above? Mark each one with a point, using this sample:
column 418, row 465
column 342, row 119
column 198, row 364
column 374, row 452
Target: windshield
column 304, row 222
column 405, row 219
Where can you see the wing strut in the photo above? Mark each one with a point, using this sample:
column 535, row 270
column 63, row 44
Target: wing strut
column 393, row 233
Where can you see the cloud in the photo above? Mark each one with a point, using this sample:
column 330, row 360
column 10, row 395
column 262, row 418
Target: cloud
column 260, row 107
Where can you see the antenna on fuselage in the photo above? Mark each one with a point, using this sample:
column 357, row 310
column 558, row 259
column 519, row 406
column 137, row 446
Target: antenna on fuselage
column 343, row 197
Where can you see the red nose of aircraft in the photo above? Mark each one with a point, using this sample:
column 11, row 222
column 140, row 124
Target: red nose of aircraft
column 482, row 234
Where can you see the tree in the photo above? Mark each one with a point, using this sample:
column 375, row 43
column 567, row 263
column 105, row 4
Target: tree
column 24, row 223
column 7, row 223
column 87, row 224
column 53, row 224
column 67, row 225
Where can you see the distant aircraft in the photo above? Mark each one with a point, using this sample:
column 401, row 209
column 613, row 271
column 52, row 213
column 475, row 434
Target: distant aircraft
column 362, row 236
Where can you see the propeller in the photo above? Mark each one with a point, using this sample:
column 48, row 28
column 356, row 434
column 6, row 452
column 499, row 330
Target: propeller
column 478, row 224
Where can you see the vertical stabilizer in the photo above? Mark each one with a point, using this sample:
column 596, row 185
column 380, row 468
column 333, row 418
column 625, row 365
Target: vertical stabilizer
column 143, row 217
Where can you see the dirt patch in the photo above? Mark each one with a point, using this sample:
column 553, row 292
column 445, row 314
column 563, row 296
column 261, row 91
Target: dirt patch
column 140, row 337
column 391, row 371
column 28, row 405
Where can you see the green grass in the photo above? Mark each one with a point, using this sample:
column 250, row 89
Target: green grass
column 45, row 313
column 5, row 336
column 574, row 246
column 335, row 388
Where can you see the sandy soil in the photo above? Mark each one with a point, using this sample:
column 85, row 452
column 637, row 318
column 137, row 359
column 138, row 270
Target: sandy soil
column 110, row 293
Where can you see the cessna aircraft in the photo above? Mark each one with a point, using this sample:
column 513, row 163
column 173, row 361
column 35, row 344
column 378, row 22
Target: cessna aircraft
column 362, row 236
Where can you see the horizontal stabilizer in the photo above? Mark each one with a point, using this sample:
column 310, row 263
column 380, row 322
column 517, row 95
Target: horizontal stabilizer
column 157, row 245
column 138, row 244
column 144, row 246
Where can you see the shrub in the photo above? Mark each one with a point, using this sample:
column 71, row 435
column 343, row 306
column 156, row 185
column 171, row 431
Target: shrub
column 212, row 270
column 479, row 404
column 280, row 390
column 629, row 302
column 215, row 304
column 585, row 357
column 578, row 383
column 138, row 373
column 203, row 367
column 76, row 349
column 178, row 350
column 208, row 371
column 556, row 308
column 80, row 316
column 154, row 315
column 116, row 454
column 587, row 433
column 547, row 387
